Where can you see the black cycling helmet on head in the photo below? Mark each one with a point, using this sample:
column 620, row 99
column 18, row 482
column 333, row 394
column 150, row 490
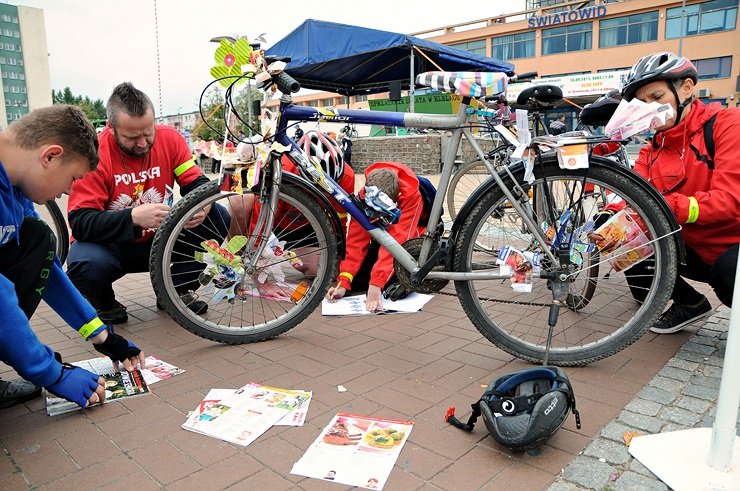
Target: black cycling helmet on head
column 661, row 66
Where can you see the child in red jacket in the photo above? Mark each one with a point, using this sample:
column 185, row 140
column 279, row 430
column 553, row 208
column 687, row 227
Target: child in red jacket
column 367, row 265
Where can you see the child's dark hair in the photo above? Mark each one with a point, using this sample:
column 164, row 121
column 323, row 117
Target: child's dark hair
column 384, row 179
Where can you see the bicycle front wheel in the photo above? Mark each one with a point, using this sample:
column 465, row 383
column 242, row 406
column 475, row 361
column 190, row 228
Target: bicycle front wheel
column 209, row 263
column 607, row 301
column 54, row 218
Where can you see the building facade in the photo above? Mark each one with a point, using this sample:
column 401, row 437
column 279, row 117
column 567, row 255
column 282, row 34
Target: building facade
column 559, row 38
column 24, row 63
column 586, row 47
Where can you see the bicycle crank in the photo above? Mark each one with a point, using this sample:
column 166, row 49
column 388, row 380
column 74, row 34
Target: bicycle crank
column 413, row 247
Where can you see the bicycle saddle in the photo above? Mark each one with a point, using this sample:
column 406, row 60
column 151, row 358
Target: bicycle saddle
column 598, row 113
column 543, row 94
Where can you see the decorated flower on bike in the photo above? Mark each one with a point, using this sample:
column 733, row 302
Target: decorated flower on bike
column 232, row 60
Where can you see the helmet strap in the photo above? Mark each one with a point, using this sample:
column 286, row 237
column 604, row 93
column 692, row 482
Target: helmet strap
column 680, row 107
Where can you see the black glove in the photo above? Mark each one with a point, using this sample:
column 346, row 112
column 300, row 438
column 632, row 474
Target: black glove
column 116, row 347
column 395, row 291
column 601, row 217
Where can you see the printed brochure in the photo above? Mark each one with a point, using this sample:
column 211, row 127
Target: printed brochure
column 355, row 450
column 241, row 416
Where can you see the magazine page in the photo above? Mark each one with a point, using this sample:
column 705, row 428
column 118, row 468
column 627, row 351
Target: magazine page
column 245, row 414
column 622, row 240
column 118, row 385
column 355, row 450
column 157, row 370
column 355, row 305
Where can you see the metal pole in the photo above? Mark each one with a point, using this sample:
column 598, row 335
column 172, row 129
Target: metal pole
column 249, row 105
column 411, row 82
column 723, row 430
column 683, row 26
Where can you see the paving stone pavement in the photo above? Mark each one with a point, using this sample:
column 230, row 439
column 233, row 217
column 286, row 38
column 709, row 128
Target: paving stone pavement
column 682, row 395
column 410, row 367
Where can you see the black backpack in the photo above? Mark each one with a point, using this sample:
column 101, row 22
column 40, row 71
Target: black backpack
column 708, row 142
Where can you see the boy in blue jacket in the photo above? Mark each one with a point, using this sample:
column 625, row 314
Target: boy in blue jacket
column 41, row 155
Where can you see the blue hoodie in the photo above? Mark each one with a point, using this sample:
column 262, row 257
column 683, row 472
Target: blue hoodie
column 19, row 346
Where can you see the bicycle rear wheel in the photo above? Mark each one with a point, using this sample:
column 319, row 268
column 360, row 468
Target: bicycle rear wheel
column 467, row 179
column 599, row 315
column 238, row 310
column 54, row 218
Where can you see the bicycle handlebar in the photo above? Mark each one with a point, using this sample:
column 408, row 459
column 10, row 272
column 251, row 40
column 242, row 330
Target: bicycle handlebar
column 286, row 83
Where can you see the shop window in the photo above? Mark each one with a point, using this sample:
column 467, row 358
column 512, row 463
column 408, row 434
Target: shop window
column 513, row 46
column 714, row 67
column 630, row 29
column 565, row 39
column 701, row 18
column 477, row 47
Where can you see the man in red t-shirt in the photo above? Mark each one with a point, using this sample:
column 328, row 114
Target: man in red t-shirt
column 115, row 210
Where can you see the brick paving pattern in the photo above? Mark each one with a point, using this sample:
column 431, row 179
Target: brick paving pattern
column 398, row 366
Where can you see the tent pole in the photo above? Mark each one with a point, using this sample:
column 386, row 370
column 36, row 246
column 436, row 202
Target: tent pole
column 411, row 82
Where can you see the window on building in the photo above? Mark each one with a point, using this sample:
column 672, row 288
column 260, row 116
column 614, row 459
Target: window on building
column 576, row 37
column 701, row 18
column 23, row 90
column 11, row 61
column 630, row 29
column 5, row 18
column 16, row 34
column 328, row 102
column 361, row 98
column 7, row 32
column 9, row 46
column 477, row 47
column 714, row 67
column 514, row 46
column 7, row 102
column 21, row 76
column 344, row 100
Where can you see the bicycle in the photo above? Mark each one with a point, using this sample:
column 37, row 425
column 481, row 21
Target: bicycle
column 294, row 239
column 53, row 216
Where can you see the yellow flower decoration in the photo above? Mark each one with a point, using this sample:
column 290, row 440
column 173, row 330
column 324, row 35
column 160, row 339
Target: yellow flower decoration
column 230, row 58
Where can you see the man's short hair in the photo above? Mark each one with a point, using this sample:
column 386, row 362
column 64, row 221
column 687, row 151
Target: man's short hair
column 386, row 180
column 130, row 100
column 60, row 124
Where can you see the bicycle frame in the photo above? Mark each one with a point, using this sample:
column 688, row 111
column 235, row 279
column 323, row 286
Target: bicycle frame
column 288, row 112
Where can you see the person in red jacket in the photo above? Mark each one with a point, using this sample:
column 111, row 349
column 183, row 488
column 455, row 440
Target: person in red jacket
column 366, row 264
column 114, row 211
column 702, row 191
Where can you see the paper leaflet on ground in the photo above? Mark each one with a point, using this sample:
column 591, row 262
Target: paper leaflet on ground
column 622, row 240
column 241, row 416
column 355, row 305
column 355, row 450
column 520, row 265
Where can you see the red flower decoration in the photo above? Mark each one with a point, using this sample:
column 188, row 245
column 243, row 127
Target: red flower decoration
column 229, row 60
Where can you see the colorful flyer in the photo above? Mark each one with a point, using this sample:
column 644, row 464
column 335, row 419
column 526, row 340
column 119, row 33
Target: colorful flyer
column 355, row 450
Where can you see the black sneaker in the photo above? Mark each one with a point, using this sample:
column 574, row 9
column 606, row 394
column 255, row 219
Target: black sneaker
column 679, row 316
column 16, row 392
column 114, row 315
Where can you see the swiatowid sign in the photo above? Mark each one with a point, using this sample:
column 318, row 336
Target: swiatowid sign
column 566, row 17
